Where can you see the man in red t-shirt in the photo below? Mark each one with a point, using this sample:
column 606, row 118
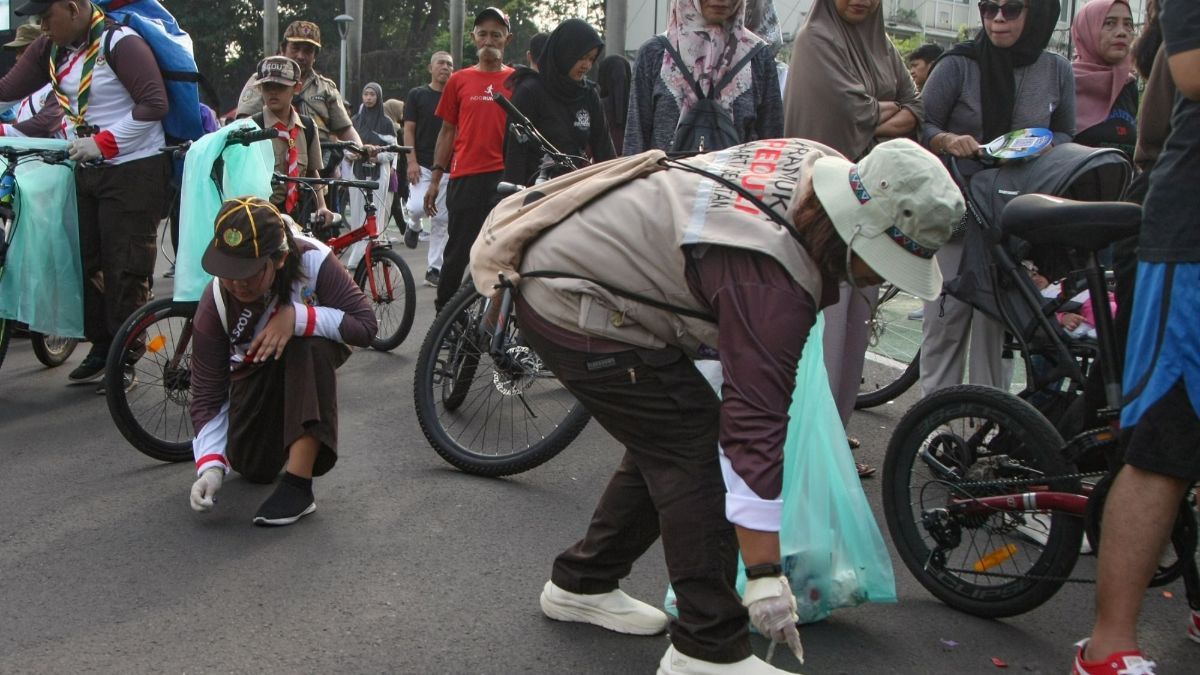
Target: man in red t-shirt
column 473, row 127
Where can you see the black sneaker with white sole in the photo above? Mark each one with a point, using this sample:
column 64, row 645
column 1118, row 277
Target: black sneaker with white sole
column 92, row 367
column 412, row 236
column 291, row 501
column 432, row 277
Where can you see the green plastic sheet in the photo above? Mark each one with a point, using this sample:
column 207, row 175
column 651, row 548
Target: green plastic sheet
column 42, row 282
column 247, row 172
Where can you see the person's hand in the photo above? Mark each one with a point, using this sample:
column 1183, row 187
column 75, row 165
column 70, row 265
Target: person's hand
column 961, row 146
column 204, row 490
column 414, row 171
column 772, row 609
column 431, row 198
column 274, row 336
column 326, row 216
column 1070, row 320
column 84, row 150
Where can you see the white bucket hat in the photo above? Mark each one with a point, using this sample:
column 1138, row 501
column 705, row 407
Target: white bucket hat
column 895, row 209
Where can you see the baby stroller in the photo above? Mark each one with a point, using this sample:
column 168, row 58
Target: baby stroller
column 992, row 279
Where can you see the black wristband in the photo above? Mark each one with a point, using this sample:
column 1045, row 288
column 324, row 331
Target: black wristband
column 438, row 167
column 764, row 570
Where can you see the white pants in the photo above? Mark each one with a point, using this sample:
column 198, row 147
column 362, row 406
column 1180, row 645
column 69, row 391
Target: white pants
column 437, row 230
column 383, row 208
column 948, row 328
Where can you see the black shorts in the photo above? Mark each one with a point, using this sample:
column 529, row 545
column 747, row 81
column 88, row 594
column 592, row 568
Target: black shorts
column 1166, row 440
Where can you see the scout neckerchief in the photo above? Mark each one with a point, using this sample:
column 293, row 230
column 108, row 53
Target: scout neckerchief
column 293, row 166
column 91, row 53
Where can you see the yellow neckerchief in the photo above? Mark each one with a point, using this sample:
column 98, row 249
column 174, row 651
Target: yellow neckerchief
column 95, row 32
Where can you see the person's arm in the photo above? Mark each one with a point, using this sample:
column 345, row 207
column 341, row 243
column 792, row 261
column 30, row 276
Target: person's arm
column 45, row 123
column 410, row 140
column 908, row 117
column 443, row 150
column 209, row 403
column 133, row 63
column 344, row 315
column 1062, row 120
column 340, row 125
column 940, row 95
column 522, row 159
column 768, row 120
column 30, row 73
column 1185, row 70
column 1154, row 115
column 250, row 101
column 639, row 125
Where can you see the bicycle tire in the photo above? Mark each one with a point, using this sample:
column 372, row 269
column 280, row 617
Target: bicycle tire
column 52, row 350
column 898, row 344
column 392, row 329
column 6, row 331
column 151, row 411
column 455, row 335
column 1004, row 426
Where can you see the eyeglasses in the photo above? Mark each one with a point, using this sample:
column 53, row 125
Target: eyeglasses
column 1011, row 10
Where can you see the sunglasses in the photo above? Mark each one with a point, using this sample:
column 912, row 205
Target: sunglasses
column 1011, row 10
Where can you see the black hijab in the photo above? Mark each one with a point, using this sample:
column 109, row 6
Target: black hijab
column 371, row 123
column 573, row 39
column 615, row 75
column 997, row 85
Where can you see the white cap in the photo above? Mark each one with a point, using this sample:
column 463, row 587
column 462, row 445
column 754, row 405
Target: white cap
column 895, row 209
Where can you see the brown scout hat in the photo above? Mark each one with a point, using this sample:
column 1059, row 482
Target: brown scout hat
column 303, row 31
column 26, row 34
column 248, row 231
column 279, row 69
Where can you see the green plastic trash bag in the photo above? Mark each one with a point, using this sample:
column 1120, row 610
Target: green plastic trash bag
column 42, row 282
column 833, row 553
column 247, row 172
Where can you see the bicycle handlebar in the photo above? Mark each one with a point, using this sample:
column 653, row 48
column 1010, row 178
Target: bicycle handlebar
column 359, row 150
column 522, row 121
column 12, row 155
column 240, row 137
column 332, row 182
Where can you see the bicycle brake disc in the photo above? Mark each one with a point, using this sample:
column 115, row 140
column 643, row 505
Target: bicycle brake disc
column 523, row 369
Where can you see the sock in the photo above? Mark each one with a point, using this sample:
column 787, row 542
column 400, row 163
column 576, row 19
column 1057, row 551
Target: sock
column 296, row 481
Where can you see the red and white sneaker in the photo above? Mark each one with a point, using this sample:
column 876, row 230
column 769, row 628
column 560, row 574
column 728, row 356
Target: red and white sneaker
column 1194, row 626
column 1120, row 663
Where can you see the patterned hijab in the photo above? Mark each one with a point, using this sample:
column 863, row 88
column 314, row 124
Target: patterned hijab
column 708, row 53
column 1097, row 83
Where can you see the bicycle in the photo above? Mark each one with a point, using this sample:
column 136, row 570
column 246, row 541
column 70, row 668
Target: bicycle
column 484, row 399
column 148, row 379
column 894, row 345
column 987, row 504
column 51, row 350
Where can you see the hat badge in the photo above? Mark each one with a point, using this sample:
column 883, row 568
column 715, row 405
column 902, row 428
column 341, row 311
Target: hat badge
column 233, row 238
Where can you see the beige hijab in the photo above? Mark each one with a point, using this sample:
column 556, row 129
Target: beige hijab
column 838, row 74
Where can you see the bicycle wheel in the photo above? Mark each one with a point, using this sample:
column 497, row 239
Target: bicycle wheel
column 52, row 350
column 6, row 330
column 894, row 352
column 393, row 295
column 148, row 380
column 965, row 443
column 485, row 417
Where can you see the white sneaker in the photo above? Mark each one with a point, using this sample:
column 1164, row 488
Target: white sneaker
column 674, row 663
column 614, row 610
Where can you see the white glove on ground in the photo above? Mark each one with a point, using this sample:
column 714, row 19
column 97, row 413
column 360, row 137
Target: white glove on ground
column 84, row 150
column 772, row 610
column 205, row 488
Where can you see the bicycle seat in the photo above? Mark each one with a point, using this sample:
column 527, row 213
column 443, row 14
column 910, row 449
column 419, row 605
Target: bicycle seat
column 1053, row 221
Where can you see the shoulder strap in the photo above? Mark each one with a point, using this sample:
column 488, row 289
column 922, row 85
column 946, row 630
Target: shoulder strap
column 732, row 72
column 259, row 118
column 310, row 129
column 687, row 75
column 219, row 300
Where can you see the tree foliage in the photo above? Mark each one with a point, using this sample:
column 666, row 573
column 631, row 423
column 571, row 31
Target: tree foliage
column 398, row 36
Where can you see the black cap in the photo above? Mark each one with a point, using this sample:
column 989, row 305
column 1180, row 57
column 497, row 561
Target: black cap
column 248, row 231
column 493, row 13
column 34, row 8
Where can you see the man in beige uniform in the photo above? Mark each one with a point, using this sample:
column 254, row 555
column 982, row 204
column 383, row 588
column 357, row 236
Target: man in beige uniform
column 318, row 98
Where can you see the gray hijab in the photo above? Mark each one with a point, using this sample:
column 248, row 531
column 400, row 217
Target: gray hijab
column 838, row 74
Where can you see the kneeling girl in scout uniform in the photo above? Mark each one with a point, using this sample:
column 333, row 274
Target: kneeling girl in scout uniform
column 269, row 333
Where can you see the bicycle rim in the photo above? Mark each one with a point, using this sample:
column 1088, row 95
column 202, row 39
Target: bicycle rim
column 149, row 392
column 893, row 354
column 484, row 416
column 994, row 563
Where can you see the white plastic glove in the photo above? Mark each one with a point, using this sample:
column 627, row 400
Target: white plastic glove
column 204, row 490
column 772, row 610
column 84, row 150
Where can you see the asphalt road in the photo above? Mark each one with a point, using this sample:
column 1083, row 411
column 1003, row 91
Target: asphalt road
column 408, row 566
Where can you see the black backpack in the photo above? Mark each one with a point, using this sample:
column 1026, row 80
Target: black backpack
column 707, row 126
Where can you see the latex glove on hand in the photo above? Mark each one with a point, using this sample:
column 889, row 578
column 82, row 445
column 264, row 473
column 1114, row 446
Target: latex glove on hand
column 772, row 609
column 84, row 150
column 204, row 490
